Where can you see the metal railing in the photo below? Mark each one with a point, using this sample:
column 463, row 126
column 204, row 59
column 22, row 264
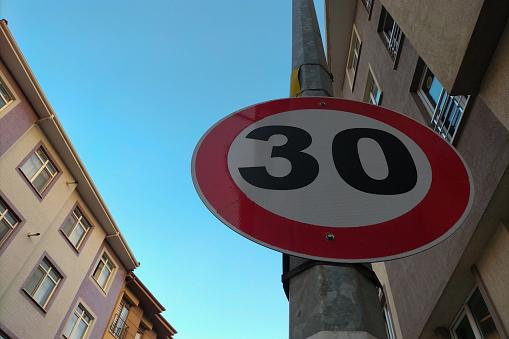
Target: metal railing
column 394, row 40
column 118, row 327
column 448, row 113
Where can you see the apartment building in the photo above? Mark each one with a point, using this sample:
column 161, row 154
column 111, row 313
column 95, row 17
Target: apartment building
column 445, row 64
column 63, row 259
column 138, row 314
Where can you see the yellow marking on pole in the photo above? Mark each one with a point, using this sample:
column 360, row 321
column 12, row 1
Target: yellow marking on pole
column 294, row 83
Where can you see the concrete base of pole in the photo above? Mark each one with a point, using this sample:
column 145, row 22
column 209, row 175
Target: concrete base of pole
column 333, row 302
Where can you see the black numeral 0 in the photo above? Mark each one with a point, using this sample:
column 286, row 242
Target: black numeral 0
column 402, row 175
column 304, row 167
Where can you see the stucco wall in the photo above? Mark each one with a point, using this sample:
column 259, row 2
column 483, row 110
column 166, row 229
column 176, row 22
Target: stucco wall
column 494, row 273
column 21, row 254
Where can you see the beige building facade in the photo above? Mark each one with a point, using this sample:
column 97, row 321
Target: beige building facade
column 446, row 65
column 63, row 259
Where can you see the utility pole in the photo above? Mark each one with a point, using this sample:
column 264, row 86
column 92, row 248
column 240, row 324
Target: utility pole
column 326, row 300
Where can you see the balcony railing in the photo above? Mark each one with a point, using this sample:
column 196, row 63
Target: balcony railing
column 118, row 327
column 394, row 40
column 448, row 113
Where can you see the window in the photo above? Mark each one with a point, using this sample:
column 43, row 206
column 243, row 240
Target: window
column 353, row 56
column 5, row 97
column 369, row 6
column 8, row 221
column 446, row 111
column 119, row 327
column 39, row 170
column 75, row 228
column 391, row 33
column 79, row 324
column 388, row 322
column 372, row 93
column 103, row 271
column 43, row 283
column 140, row 331
column 474, row 320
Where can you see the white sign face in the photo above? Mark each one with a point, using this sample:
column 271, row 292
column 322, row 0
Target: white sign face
column 328, row 191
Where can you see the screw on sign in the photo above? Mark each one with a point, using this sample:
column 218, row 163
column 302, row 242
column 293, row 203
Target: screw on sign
column 332, row 179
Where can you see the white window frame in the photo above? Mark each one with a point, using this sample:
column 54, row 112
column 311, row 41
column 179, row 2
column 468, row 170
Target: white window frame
column 78, row 221
column 354, row 53
column 368, row 93
column 6, row 96
column 447, row 109
column 466, row 312
column 9, row 219
column 46, row 165
column 392, row 35
column 46, row 276
column 104, row 260
column 76, row 318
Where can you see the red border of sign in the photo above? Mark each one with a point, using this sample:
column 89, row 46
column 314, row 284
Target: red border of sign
column 437, row 216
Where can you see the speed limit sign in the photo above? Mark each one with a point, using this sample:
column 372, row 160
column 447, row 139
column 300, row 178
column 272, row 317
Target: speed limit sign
column 332, row 179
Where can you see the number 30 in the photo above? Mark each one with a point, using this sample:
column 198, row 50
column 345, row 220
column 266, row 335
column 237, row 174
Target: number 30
column 402, row 176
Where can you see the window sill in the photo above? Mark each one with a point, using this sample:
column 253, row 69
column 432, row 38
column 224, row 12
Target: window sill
column 35, row 301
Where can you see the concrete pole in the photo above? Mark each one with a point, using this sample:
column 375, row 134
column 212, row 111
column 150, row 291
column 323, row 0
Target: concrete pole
column 326, row 301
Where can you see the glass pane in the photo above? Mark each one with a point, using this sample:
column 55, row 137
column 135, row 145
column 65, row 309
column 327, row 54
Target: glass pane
column 464, row 331
column 435, row 90
column 44, row 291
column 71, row 324
column 77, row 212
column 76, row 236
column 482, row 316
column 98, row 270
column 103, row 278
column 5, row 94
column 51, row 168
column 45, row 264
column 12, row 220
column 2, row 207
column 69, row 223
column 41, row 180
column 80, row 331
column 34, row 280
column 54, row 275
column 42, row 155
column 31, row 166
column 4, row 229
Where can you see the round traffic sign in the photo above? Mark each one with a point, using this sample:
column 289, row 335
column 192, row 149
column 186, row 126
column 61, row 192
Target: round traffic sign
column 332, row 179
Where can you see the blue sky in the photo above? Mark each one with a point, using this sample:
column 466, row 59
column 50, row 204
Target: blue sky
column 136, row 84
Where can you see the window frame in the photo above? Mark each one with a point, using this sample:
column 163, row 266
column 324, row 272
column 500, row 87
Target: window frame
column 368, row 93
column 114, row 328
column 15, row 229
column 85, row 235
column 6, row 91
column 107, row 283
column 54, row 291
column 392, row 38
column 368, row 4
column 79, row 318
column 466, row 312
column 353, row 52
column 49, row 184
column 440, row 112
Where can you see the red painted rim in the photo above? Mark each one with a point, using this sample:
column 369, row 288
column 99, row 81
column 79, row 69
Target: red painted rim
column 437, row 216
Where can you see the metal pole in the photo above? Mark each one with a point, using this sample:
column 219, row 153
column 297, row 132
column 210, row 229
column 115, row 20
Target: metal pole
column 326, row 301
